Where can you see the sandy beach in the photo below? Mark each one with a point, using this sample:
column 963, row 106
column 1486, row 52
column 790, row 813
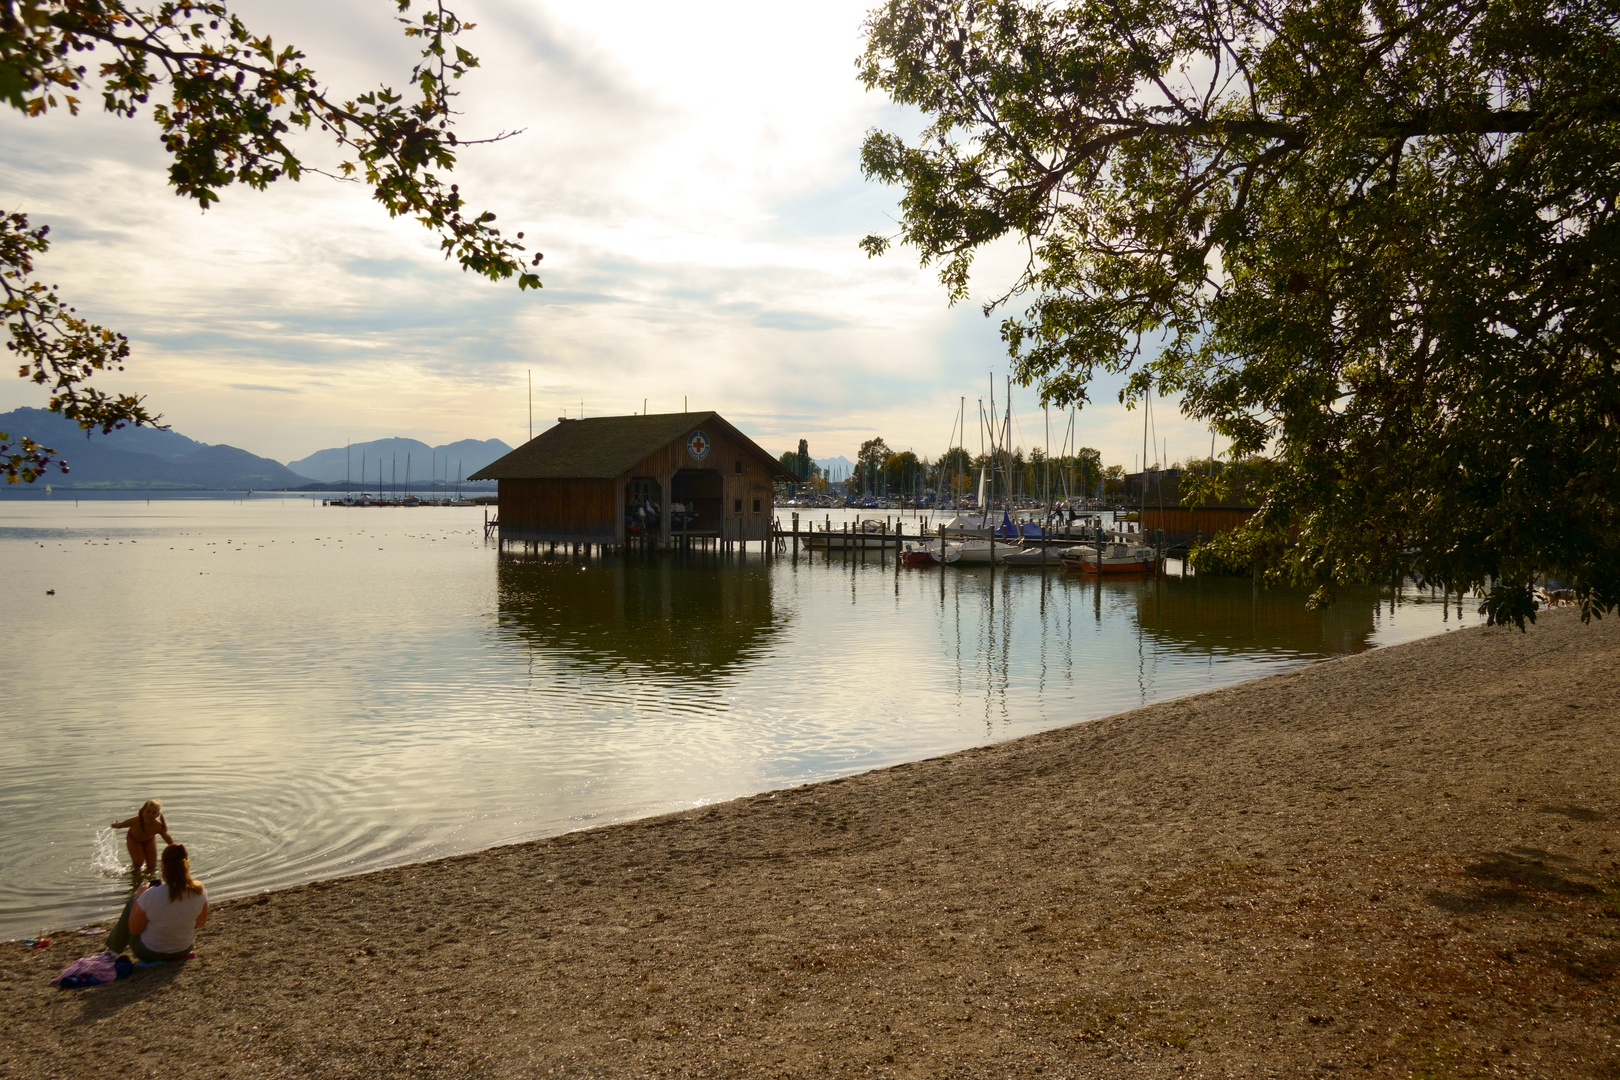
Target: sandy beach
column 1400, row 864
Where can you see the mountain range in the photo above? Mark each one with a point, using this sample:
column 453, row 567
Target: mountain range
column 358, row 462
column 144, row 457
column 839, row 466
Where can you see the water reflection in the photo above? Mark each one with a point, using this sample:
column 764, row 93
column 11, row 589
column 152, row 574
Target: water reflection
column 1226, row 615
column 674, row 617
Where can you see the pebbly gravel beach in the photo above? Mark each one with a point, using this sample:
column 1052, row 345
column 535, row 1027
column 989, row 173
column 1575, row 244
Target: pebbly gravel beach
column 1398, row 864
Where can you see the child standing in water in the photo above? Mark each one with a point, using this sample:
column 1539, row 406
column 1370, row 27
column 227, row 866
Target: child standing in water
column 144, row 829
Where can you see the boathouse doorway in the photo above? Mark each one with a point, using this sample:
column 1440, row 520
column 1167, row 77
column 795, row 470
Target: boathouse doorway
column 643, row 507
column 696, row 500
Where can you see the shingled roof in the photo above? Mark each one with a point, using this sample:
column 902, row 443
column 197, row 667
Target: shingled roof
column 605, row 447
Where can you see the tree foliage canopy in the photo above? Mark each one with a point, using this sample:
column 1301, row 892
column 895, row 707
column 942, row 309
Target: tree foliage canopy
column 869, row 463
column 1374, row 241
column 235, row 102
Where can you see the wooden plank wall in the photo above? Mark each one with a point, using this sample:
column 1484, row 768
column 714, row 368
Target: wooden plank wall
column 564, row 511
column 1183, row 523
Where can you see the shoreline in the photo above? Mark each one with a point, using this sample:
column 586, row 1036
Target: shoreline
column 1398, row 862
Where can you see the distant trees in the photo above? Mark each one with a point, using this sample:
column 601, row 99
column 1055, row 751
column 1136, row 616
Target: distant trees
column 798, row 463
column 880, row 470
column 903, row 471
column 233, row 102
column 869, row 464
column 1113, row 479
column 954, row 471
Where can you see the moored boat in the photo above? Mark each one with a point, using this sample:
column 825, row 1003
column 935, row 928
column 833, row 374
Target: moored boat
column 1115, row 558
column 981, row 552
column 1033, row 555
column 918, row 555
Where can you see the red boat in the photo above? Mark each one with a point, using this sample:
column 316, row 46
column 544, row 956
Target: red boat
column 918, row 556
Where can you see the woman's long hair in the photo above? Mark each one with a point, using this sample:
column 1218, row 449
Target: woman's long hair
column 177, row 873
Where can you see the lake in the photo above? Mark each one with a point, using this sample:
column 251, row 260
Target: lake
column 317, row 691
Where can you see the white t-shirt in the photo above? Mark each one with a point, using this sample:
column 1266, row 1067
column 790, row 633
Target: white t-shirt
column 170, row 928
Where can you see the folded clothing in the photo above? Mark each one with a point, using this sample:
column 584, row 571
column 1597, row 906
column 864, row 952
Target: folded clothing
column 94, row 971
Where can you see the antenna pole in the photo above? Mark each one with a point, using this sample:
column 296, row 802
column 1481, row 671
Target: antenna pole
column 531, row 404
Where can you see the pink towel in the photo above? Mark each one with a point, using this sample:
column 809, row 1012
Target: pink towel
column 101, row 968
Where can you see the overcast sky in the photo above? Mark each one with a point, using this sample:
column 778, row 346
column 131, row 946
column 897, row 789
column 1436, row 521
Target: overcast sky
column 691, row 173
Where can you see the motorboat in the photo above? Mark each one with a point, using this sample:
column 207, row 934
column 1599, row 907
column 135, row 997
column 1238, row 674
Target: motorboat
column 929, row 553
column 1117, row 557
column 919, row 555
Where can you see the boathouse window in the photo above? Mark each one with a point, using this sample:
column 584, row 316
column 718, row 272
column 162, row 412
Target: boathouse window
column 756, row 506
column 736, row 506
column 739, row 467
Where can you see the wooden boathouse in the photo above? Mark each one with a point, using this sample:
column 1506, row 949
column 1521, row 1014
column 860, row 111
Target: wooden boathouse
column 662, row 480
column 1177, row 526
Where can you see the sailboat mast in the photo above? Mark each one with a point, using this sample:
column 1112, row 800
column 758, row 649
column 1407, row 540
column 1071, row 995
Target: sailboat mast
column 1068, row 468
column 1147, row 397
column 961, row 437
column 1046, row 492
column 993, row 455
column 983, row 496
column 1006, row 447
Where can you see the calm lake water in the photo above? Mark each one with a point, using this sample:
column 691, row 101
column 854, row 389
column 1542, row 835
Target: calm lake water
column 317, row 691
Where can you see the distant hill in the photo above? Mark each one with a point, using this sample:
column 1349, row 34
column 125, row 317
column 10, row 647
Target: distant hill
column 836, row 466
column 144, row 458
column 464, row 458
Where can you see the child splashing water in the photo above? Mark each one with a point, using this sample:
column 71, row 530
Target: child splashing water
column 144, row 829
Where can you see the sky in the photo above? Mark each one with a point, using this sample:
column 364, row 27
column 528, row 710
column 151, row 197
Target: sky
column 691, row 173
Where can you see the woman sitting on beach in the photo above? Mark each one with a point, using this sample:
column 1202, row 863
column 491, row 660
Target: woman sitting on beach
column 161, row 921
column 144, row 829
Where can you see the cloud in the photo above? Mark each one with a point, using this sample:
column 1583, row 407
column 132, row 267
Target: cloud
column 689, row 171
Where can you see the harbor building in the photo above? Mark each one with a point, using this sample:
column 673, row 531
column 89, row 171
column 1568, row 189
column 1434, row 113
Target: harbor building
column 660, row 480
column 1176, row 525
